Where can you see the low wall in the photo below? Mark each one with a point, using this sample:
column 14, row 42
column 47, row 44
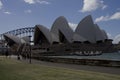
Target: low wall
column 93, row 62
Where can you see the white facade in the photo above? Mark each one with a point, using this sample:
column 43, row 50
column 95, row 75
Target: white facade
column 104, row 34
column 41, row 30
column 78, row 38
column 25, row 39
column 86, row 29
column 13, row 38
column 99, row 36
column 44, row 31
column 61, row 25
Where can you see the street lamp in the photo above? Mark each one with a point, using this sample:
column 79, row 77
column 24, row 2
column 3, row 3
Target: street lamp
column 30, row 49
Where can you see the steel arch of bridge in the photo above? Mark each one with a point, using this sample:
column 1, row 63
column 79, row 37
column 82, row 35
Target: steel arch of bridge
column 17, row 32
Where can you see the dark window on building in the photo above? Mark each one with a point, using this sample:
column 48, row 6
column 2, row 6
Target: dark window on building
column 86, row 42
column 100, row 41
column 68, row 50
column 77, row 42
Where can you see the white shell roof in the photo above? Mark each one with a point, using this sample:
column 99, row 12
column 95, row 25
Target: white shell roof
column 45, row 31
column 15, row 39
column 54, row 37
column 86, row 29
column 49, row 36
column 98, row 33
column 61, row 25
column 77, row 37
column 25, row 39
column 104, row 34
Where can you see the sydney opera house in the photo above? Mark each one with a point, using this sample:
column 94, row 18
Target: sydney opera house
column 62, row 40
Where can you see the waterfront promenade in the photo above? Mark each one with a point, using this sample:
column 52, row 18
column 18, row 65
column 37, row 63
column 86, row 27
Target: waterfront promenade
column 101, row 69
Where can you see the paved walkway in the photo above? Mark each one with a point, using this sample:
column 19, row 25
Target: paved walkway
column 109, row 70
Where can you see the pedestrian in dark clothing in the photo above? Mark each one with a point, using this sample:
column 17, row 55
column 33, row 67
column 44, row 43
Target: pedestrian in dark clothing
column 6, row 54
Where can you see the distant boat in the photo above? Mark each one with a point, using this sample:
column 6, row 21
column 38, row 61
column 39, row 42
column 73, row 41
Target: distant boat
column 88, row 53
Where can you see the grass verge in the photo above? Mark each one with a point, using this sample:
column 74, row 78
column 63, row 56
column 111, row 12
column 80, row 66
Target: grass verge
column 11, row 69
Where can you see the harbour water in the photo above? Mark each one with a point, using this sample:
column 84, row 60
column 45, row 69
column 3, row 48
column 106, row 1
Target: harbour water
column 104, row 56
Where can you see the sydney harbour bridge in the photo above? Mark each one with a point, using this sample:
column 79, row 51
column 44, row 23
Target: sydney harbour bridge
column 22, row 32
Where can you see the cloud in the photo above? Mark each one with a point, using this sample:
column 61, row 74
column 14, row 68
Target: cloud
column 110, row 36
column 36, row 1
column 104, row 6
column 91, row 5
column 30, row 1
column 28, row 11
column 115, row 16
column 1, row 5
column 102, row 18
column 116, row 39
column 7, row 12
column 72, row 25
column 43, row 2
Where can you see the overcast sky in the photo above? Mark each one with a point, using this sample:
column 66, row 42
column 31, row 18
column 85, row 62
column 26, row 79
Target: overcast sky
column 16, row 14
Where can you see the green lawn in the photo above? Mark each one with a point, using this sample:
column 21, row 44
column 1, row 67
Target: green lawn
column 11, row 69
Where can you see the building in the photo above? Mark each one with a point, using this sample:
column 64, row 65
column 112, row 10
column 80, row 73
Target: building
column 62, row 40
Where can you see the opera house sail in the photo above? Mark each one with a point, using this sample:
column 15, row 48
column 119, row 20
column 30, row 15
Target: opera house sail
column 62, row 30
